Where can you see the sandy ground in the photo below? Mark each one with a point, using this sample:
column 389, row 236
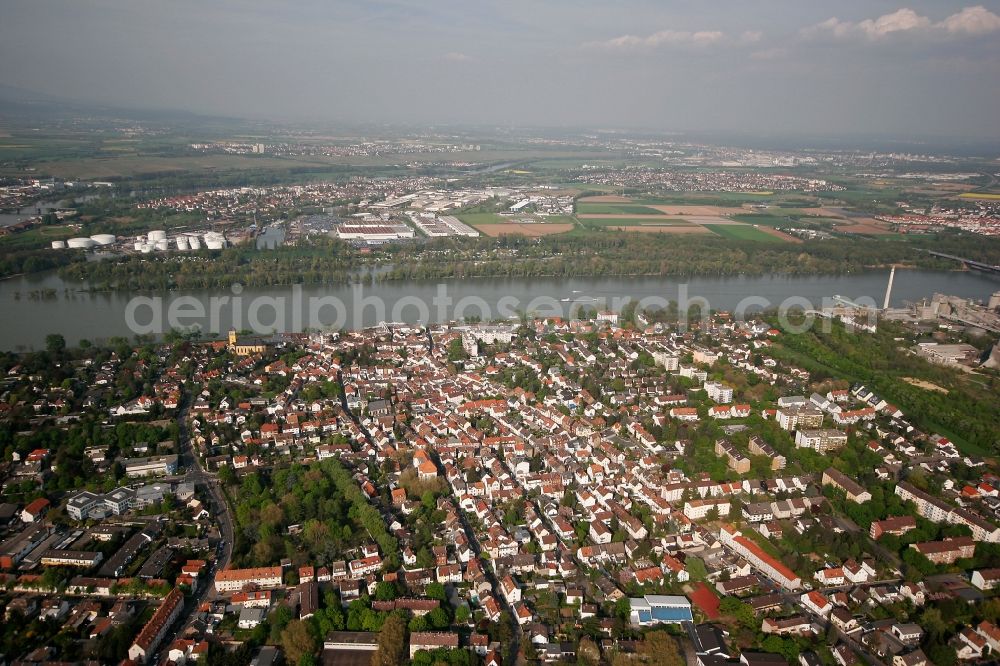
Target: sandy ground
column 494, row 230
column 672, row 229
column 704, row 211
column 920, row 383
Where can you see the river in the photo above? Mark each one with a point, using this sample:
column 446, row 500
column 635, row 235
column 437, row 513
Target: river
column 28, row 314
column 37, row 208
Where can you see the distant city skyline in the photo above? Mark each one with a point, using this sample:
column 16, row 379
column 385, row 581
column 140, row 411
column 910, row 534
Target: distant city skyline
column 781, row 66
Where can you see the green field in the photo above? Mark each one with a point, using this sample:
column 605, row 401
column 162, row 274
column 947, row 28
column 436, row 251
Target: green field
column 742, row 232
column 979, row 195
column 766, row 219
column 472, row 219
column 38, row 236
column 644, row 221
column 614, row 209
column 792, row 220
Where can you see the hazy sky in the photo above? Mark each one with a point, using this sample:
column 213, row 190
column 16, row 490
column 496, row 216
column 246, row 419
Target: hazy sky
column 803, row 66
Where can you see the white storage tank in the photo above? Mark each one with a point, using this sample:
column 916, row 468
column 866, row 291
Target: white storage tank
column 162, row 245
column 182, row 243
column 146, row 248
column 78, row 243
column 214, row 240
column 194, row 242
column 157, row 235
column 139, row 245
column 104, row 239
column 58, row 245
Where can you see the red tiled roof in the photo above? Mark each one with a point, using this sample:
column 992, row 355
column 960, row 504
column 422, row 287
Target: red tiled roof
column 764, row 557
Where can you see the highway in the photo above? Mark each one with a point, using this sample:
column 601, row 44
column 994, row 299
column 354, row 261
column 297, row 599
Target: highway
column 971, row 263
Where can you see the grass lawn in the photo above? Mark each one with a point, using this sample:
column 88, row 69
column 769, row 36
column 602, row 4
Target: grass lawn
column 742, row 232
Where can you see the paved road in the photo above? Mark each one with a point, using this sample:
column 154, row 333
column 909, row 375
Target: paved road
column 217, row 506
column 516, row 633
column 863, row 653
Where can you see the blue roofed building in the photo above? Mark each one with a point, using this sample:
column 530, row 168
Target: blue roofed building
column 659, row 609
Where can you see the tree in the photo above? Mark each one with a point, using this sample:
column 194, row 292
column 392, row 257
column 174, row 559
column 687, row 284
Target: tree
column 226, row 475
column 435, row 591
column 391, row 642
column 462, row 614
column 588, row 653
column 659, row 648
column 298, row 641
column 742, row 612
column 932, row 621
column 425, row 559
column 438, row 618
column 385, row 591
column 622, row 608
column 55, row 343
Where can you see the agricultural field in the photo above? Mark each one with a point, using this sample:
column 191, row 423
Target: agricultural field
column 663, row 229
column 985, row 196
column 630, row 220
column 864, row 225
column 791, row 218
column 614, row 209
column 476, row 219
column 770, row 220
column 693, row 215
column 743, row 232
column 493, row 224
column 698, row 211
column 531, row 230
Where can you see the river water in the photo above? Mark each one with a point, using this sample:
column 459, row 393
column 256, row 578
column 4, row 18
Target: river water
column 41, row 208
column 35, row 305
